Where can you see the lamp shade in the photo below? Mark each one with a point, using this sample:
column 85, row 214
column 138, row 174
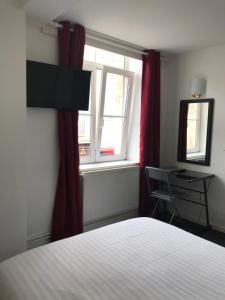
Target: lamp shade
column 197, row 87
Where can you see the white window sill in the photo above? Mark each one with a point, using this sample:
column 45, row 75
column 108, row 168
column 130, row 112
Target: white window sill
column 86, row 168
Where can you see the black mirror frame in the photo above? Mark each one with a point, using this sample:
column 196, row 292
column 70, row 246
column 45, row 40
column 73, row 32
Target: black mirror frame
column 209, row 132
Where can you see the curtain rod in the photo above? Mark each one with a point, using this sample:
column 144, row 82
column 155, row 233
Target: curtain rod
column 108, row 40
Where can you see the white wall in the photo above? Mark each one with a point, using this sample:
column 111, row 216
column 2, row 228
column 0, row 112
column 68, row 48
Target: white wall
column 13, row 214
column 207, row 63
column 42, row 147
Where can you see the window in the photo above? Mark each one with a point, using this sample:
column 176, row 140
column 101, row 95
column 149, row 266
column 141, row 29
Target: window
column 103, row 130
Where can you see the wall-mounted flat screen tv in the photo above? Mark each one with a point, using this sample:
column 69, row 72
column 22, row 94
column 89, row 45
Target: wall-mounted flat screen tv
column 58, row 87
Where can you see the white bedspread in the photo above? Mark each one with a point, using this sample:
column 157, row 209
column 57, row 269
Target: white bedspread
column 138, row 259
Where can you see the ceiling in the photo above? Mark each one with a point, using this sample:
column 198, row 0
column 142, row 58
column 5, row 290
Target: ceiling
column 168, row 25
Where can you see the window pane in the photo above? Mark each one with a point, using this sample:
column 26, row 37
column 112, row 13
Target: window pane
column 115, row 94
column 112, row 134
column 84, row 135
column 108, row 58
column 191, row 136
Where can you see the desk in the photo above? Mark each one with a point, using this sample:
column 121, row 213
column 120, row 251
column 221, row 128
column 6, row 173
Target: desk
column 186, row 180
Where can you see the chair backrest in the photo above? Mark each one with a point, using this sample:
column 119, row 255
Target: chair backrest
column 158, row 174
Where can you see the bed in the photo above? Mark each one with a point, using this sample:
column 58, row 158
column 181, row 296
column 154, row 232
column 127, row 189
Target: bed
column 137, row 259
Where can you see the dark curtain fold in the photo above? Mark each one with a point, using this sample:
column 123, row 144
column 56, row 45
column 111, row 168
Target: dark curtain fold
column 182, row 147
column 68, row 209
column 150, row 124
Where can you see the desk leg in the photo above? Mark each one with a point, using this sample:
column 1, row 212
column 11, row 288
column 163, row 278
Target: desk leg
column 206, row 204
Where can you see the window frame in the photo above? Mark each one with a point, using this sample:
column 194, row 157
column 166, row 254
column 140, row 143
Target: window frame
column 126, row 117
column 96, row 117
column 90, row 159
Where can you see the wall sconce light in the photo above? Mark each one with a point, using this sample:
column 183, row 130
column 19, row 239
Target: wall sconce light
column 198, row 87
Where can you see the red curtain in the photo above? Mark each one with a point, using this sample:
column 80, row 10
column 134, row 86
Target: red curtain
column 150, row 124
column 68, row 208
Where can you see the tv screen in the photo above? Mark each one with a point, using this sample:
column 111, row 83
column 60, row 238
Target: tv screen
column 52, row 86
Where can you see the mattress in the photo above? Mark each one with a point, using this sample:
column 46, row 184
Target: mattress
column 138, row 259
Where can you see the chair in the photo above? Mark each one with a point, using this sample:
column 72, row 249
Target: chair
column 164, row 192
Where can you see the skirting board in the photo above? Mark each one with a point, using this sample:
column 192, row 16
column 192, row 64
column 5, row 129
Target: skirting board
column 111, row 220
column 43, row 239
column 214, row 226
column 201, row 221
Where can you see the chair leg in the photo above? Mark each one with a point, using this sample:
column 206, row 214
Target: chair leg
column 176, row 210
column 171, row 219
column 154, row 210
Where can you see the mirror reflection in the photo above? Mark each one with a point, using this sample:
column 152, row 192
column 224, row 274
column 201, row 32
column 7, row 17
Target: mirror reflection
column 195, row 131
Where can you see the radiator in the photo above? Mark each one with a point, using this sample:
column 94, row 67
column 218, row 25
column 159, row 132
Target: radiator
column 109, row 193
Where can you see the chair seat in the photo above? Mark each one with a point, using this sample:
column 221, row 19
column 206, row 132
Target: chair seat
column 163, row 194
column 165, row 191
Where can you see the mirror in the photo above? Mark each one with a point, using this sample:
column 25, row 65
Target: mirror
column 195, row 128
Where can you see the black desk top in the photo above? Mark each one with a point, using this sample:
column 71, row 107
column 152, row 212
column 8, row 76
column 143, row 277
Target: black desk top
column 189, row 176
